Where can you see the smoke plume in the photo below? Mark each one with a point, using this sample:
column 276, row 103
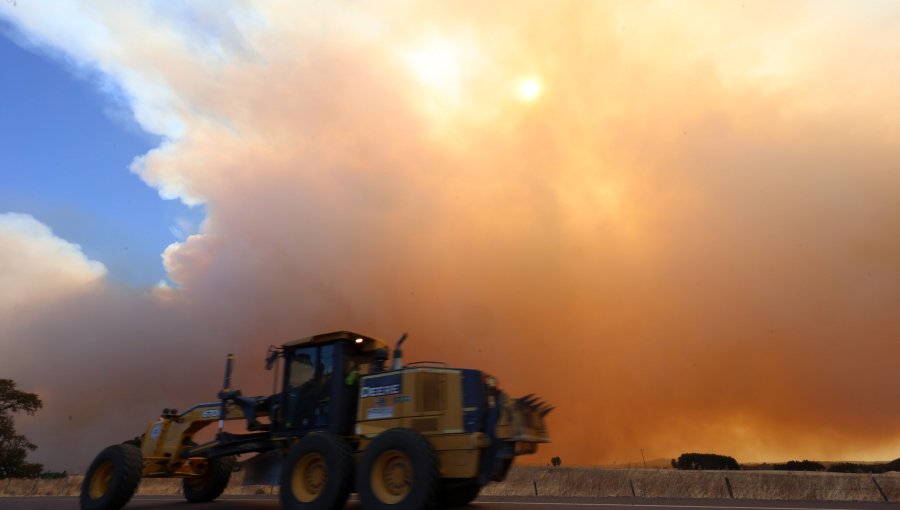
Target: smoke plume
column 678, row 223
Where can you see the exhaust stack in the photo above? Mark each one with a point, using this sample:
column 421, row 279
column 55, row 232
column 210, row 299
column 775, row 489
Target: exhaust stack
column 397, row 362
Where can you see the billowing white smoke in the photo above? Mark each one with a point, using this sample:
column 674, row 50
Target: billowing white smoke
column 36, row 266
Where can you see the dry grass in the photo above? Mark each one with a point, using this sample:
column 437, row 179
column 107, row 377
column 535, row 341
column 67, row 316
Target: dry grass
column 657, row 483
column 587, row 482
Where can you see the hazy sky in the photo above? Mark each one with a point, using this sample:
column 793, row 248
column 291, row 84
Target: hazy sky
column 676, row 221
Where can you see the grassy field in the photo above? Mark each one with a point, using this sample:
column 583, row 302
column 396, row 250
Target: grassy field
column 593, row 482
column 656, row 483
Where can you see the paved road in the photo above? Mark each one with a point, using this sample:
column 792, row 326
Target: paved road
column 482, row 503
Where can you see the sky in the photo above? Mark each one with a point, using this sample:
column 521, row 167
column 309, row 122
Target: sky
column 677, row 222
column 66, row 142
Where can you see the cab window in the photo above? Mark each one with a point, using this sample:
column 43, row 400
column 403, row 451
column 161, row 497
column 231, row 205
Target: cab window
column 303, row 367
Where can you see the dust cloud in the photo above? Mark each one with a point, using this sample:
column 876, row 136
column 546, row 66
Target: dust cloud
column 676, row 222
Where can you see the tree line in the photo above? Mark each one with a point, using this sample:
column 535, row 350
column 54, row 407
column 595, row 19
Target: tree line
column 14, row 447
column 723, row 462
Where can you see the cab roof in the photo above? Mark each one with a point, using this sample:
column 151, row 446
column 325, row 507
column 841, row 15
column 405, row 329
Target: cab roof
column 368, row 342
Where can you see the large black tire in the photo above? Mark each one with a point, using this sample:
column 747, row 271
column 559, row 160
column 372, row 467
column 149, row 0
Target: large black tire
column 318, row 473
column 211, row 484
column 112, row 478
column 457, row 495
column 399, row 471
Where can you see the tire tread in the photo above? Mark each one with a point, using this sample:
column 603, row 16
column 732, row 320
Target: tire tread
column 219, row 474
column 333, row 448
column 412, row 443
column 128, row 463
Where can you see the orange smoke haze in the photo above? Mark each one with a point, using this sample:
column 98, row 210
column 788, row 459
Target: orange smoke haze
column 676, row 222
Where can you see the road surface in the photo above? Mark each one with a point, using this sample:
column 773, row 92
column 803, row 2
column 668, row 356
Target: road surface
column 482, row 503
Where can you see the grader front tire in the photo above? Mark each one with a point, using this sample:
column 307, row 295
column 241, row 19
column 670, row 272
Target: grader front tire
column 112, row 478
column 212, row 483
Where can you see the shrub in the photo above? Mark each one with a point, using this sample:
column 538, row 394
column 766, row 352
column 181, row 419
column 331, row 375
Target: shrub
column 705, row 461
column 893, row 465
column 852, row 467
column 799, row 465
column 846, row 467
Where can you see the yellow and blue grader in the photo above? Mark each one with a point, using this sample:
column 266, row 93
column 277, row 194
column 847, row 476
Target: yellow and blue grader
column 403, row 436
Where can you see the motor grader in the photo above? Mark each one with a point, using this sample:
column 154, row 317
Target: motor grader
column 401, row 436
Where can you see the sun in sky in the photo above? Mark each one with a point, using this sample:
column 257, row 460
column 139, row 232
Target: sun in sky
column 529, row 90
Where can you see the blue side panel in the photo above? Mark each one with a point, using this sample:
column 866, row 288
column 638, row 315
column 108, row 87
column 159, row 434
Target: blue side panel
column 473, row 400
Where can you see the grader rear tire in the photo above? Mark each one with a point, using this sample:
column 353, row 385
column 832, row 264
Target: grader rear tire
column 398, row 471
column 211, row 484
column 112, row 478
column 318, row 473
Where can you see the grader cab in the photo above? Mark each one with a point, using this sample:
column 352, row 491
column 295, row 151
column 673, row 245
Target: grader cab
column 403, row 436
